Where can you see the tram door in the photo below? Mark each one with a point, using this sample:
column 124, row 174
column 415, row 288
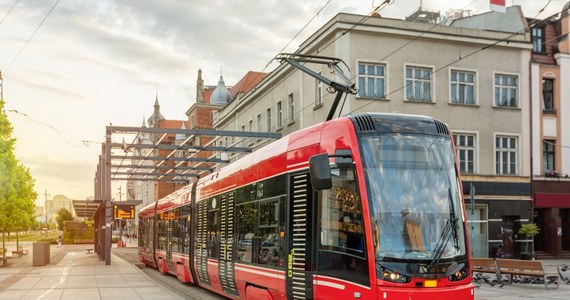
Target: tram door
column 300, row 264
column 226, row 268
column 169, row 245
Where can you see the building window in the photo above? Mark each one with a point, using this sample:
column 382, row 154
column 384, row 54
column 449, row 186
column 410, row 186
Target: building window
column 548, row 95
column 279, row 115
column 506, row 90
column 291, row 108
column 506, row 155
column 538, row 42
column 466, row 145
column 548, row 155
column 259, row 123
column 318, row 92
column 268, row 119
column 371, row 80
column 462, row 87
column 418, row 84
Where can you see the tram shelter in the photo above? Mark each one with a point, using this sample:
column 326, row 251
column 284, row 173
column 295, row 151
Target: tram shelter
column 160, row 164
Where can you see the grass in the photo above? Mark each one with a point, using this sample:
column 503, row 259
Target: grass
column 31, row 236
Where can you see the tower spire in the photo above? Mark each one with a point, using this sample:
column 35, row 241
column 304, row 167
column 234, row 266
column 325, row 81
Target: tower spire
column 200, row 87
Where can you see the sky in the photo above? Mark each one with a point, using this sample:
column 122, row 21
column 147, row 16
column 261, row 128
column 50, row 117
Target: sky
column 71, row 67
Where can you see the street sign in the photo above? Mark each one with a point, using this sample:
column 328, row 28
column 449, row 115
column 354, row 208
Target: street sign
column 123, row 211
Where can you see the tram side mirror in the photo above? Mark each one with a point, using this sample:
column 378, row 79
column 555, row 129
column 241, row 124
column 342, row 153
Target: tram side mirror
column 320, row 172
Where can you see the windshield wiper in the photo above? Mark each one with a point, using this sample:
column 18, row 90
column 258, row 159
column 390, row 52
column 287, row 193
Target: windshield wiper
column 450, row 230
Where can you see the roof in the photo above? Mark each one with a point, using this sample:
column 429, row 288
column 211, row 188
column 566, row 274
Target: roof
column 86, row 208
column 251, row 79
column 176, row 124
column 221, row 94
column 207, row 94
column 512, row 20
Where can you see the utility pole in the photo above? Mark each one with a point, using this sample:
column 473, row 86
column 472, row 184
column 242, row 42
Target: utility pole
column 46, row 213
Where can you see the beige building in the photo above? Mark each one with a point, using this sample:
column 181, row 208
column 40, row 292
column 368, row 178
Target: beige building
column 475, row 80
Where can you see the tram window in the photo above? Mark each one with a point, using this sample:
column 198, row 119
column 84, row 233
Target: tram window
column 342, row 250
column 175, row 235
column 246, row 217
column 183, row 222
column 274, row 186
column 267, row 247
column 341, row 222
column 245, row 194
column 162, row 235
column 268, row 213
column 213, row 233
column 142, row 232
column 150, row 232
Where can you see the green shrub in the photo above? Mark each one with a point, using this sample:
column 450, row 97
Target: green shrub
column 51, row 241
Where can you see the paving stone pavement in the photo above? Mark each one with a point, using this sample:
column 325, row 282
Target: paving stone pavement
column 75, row 274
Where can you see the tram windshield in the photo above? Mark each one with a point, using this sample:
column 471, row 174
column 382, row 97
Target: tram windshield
column 415, row 201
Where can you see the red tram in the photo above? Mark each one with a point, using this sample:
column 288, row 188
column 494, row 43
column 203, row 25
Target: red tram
column 367, row 206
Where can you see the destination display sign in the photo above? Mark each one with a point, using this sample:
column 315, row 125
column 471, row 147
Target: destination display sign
column 123, row 211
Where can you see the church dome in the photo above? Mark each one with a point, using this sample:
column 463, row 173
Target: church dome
column 221, row 94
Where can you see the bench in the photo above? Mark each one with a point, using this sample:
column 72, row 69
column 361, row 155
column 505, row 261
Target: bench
column 21, row 251
column 83, row 241
column 88, row 250
column 4, row 251
column 482, row 266
column 526, row 268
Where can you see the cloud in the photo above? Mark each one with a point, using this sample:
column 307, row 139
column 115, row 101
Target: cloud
column 104, row 61
column 55, row 173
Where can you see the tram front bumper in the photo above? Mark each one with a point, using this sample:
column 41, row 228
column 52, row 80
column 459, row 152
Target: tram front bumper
column 461, row 292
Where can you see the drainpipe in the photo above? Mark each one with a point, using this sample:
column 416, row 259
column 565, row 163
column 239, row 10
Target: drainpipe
column 531, row 217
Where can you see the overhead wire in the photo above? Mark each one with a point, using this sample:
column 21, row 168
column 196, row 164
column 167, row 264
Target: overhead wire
column 378, row 8
column 362, row 20
column 9, row 11
column 59, row 133
column 31, row 37
column 505, row 39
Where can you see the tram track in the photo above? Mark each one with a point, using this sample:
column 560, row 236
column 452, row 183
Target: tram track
column 181, row 289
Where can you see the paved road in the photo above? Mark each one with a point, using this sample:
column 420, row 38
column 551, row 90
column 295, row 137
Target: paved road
column 484, row 292
column 189, row 291
column 186, row 290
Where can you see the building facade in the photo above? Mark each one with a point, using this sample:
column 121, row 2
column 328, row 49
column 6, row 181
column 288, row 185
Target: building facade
column 473, row 79
column 550, row 107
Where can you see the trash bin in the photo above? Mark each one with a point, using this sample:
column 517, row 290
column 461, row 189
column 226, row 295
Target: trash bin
column 41, row 254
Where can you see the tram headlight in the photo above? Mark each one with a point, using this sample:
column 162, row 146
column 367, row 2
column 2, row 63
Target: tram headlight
column 392, row 276
column 460, row 274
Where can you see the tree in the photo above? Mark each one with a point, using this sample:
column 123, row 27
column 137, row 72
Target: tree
column 529, row 230
column 17, row 194
column 63, row 215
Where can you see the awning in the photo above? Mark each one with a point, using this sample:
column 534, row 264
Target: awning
column 86, row 208
column 546, row 200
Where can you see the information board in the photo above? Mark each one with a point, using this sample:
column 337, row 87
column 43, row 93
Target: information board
column 123, row 211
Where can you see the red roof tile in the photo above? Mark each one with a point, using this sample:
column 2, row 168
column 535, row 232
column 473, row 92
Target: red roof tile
column 247, row 83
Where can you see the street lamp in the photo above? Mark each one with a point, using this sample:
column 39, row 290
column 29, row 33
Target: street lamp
column 46, row 213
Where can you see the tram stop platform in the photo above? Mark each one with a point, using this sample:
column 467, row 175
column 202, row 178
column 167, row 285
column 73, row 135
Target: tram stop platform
column 528, row 290
column 73, row 273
